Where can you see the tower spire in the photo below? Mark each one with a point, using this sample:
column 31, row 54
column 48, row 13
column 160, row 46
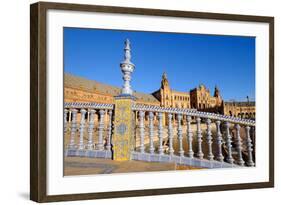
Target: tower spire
column 217, row 91
column 164, row 75
column 127, row 67
column 164, row 81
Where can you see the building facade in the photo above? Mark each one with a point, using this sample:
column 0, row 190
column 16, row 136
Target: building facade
column 77, row 89
column 171, row 98
column 240, row 109
column 198, row 98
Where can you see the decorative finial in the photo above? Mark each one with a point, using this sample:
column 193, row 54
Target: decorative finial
column 127, row 67
column 127, row 49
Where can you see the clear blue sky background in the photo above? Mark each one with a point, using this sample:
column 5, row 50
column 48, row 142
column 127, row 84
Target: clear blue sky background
column 188, row 60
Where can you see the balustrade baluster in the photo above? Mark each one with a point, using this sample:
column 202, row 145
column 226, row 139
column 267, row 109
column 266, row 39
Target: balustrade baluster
column 100, row 145
column 209, row 140
column 199, row 139
column 239, row 145
column 65, row 120
column 189, row 137
column 181, row 151
column 88, row 116
column 151, row 132
column 82, row 126
column 90, row 143
column 253, row 137
column 73, row 129
column 69, row 116
column 109, row 133
column 141, row 115
column 229, row 157
column 160, row 133
column 170, row 134
column 249, row 162
column 219, row 157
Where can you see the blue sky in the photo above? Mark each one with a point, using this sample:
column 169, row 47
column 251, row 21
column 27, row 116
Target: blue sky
column 188, row 60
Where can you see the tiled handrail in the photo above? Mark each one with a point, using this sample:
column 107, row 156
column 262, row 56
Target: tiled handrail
column 194, row 113
column 92, row 105
column 218, row 129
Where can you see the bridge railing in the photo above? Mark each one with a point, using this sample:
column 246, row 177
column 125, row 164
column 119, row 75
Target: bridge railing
column 88, row 129
column 162, row 134
column 193, row 134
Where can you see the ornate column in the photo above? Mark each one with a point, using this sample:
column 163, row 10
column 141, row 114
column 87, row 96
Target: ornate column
column 91, row 129
column 100, row 145
column 123, row 139
column 219, row 142
column 199, row 139
column 181, row 151
column 141, row 115
column 124, row 119
column 209, row 140
column 82, row 126
column 151, row 132
column 73, row 130
column 190, row 152
column 109, row 128
column 65, row 120
column 170, row 134
column 127, row 67
column 160, row 132
column 239, row 145
column 229, row 157
column 249, row 162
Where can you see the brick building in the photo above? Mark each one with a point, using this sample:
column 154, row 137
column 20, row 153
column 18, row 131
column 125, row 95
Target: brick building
column 78, row 89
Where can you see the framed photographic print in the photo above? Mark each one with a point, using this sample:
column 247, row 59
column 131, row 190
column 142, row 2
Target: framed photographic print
column 135, row 102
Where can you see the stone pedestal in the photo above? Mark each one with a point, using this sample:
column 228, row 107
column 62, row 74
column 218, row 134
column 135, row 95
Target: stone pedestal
column 123, row 138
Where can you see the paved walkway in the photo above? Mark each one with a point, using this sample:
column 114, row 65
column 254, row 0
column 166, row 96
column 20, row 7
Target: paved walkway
column 87, row 166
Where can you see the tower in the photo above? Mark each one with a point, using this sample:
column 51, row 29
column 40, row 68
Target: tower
column 164, row 82
column 217, row 96
column 165, row 91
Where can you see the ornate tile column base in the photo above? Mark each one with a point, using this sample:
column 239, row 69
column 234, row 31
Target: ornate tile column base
column 123, row 137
